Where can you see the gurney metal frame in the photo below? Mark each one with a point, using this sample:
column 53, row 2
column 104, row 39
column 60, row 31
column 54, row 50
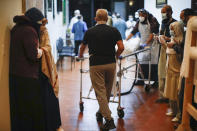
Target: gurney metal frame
column 138, row 70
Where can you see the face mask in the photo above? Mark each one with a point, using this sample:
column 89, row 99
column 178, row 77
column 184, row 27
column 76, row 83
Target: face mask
column 172, row 33
column 113, row 16
column 141, row 19
column 185, row 28
column 39, row 22
column 185, row 22
column 181, row 22
column 136, row 15
column 130, row 19
column 164, row 16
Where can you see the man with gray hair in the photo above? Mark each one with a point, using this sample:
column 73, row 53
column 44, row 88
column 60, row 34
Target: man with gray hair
column 101, row 40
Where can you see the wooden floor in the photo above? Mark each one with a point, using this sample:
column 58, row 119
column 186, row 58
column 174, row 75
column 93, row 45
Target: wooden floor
column 141, row 112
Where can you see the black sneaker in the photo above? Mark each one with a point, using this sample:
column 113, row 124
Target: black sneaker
column 99, row 117
column 109, row 124
column 155, row 84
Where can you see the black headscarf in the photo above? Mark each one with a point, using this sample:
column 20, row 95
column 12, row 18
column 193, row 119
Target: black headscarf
column 35, row 15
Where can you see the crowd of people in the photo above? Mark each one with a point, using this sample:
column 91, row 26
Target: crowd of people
column 172, row 39
column 32, row 66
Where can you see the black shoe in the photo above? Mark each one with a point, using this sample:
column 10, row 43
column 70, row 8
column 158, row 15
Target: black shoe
column 77, row 59
column 162, row 100
column 139, row 82
column 109, row 124
column 155, row 85
column 99, row 117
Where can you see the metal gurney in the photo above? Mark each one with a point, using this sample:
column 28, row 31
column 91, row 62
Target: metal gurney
column 136, row 69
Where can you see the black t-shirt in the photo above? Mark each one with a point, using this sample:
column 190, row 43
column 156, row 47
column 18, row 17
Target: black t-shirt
column 165, row 27
column 101, row 41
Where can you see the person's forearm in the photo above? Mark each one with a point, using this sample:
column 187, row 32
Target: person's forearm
column 149, row 39
column 82, row 49
column 129, row 37
column 119, row 51
column 167, row 38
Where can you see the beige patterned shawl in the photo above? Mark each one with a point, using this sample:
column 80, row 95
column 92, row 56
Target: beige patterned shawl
column 48, row 64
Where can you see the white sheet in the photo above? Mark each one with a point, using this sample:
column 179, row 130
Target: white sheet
column 130, row 46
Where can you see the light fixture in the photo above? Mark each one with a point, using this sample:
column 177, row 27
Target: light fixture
column 131, row 3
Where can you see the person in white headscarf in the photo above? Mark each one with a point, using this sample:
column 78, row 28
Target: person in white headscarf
column 173, row 66
column 74, row 19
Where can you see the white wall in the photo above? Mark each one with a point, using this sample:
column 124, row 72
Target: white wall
column 8, row 9
column 177, row 6
column 35, row 3
column 120, row 7
column 56, row 29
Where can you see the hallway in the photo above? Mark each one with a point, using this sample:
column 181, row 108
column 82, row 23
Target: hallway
column 141, row 112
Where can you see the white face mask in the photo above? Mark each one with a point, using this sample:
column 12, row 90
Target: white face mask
column 181, row 22
column 172, row 33
column 185, row 28
column 130, row 19
column 136, row 16
column 164, row 16
column 141, row 19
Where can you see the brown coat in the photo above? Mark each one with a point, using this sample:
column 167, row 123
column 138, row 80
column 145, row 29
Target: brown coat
column 48, row 64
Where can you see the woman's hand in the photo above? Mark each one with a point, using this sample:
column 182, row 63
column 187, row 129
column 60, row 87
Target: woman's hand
column 162, row 39
column 170, row 44
column 39, row 53
column 167, row 38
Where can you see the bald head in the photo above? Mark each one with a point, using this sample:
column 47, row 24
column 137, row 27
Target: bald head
column 101, row 15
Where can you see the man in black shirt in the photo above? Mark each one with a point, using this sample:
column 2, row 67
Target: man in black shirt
column 101, row 41
column 167, row 19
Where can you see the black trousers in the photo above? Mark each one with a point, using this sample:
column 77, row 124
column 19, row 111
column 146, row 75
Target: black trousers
column 77, row 44
column 181, row 95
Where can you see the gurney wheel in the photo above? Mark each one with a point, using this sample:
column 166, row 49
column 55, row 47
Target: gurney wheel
column 121, row 112
column 81, row 106
column 147, row 88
